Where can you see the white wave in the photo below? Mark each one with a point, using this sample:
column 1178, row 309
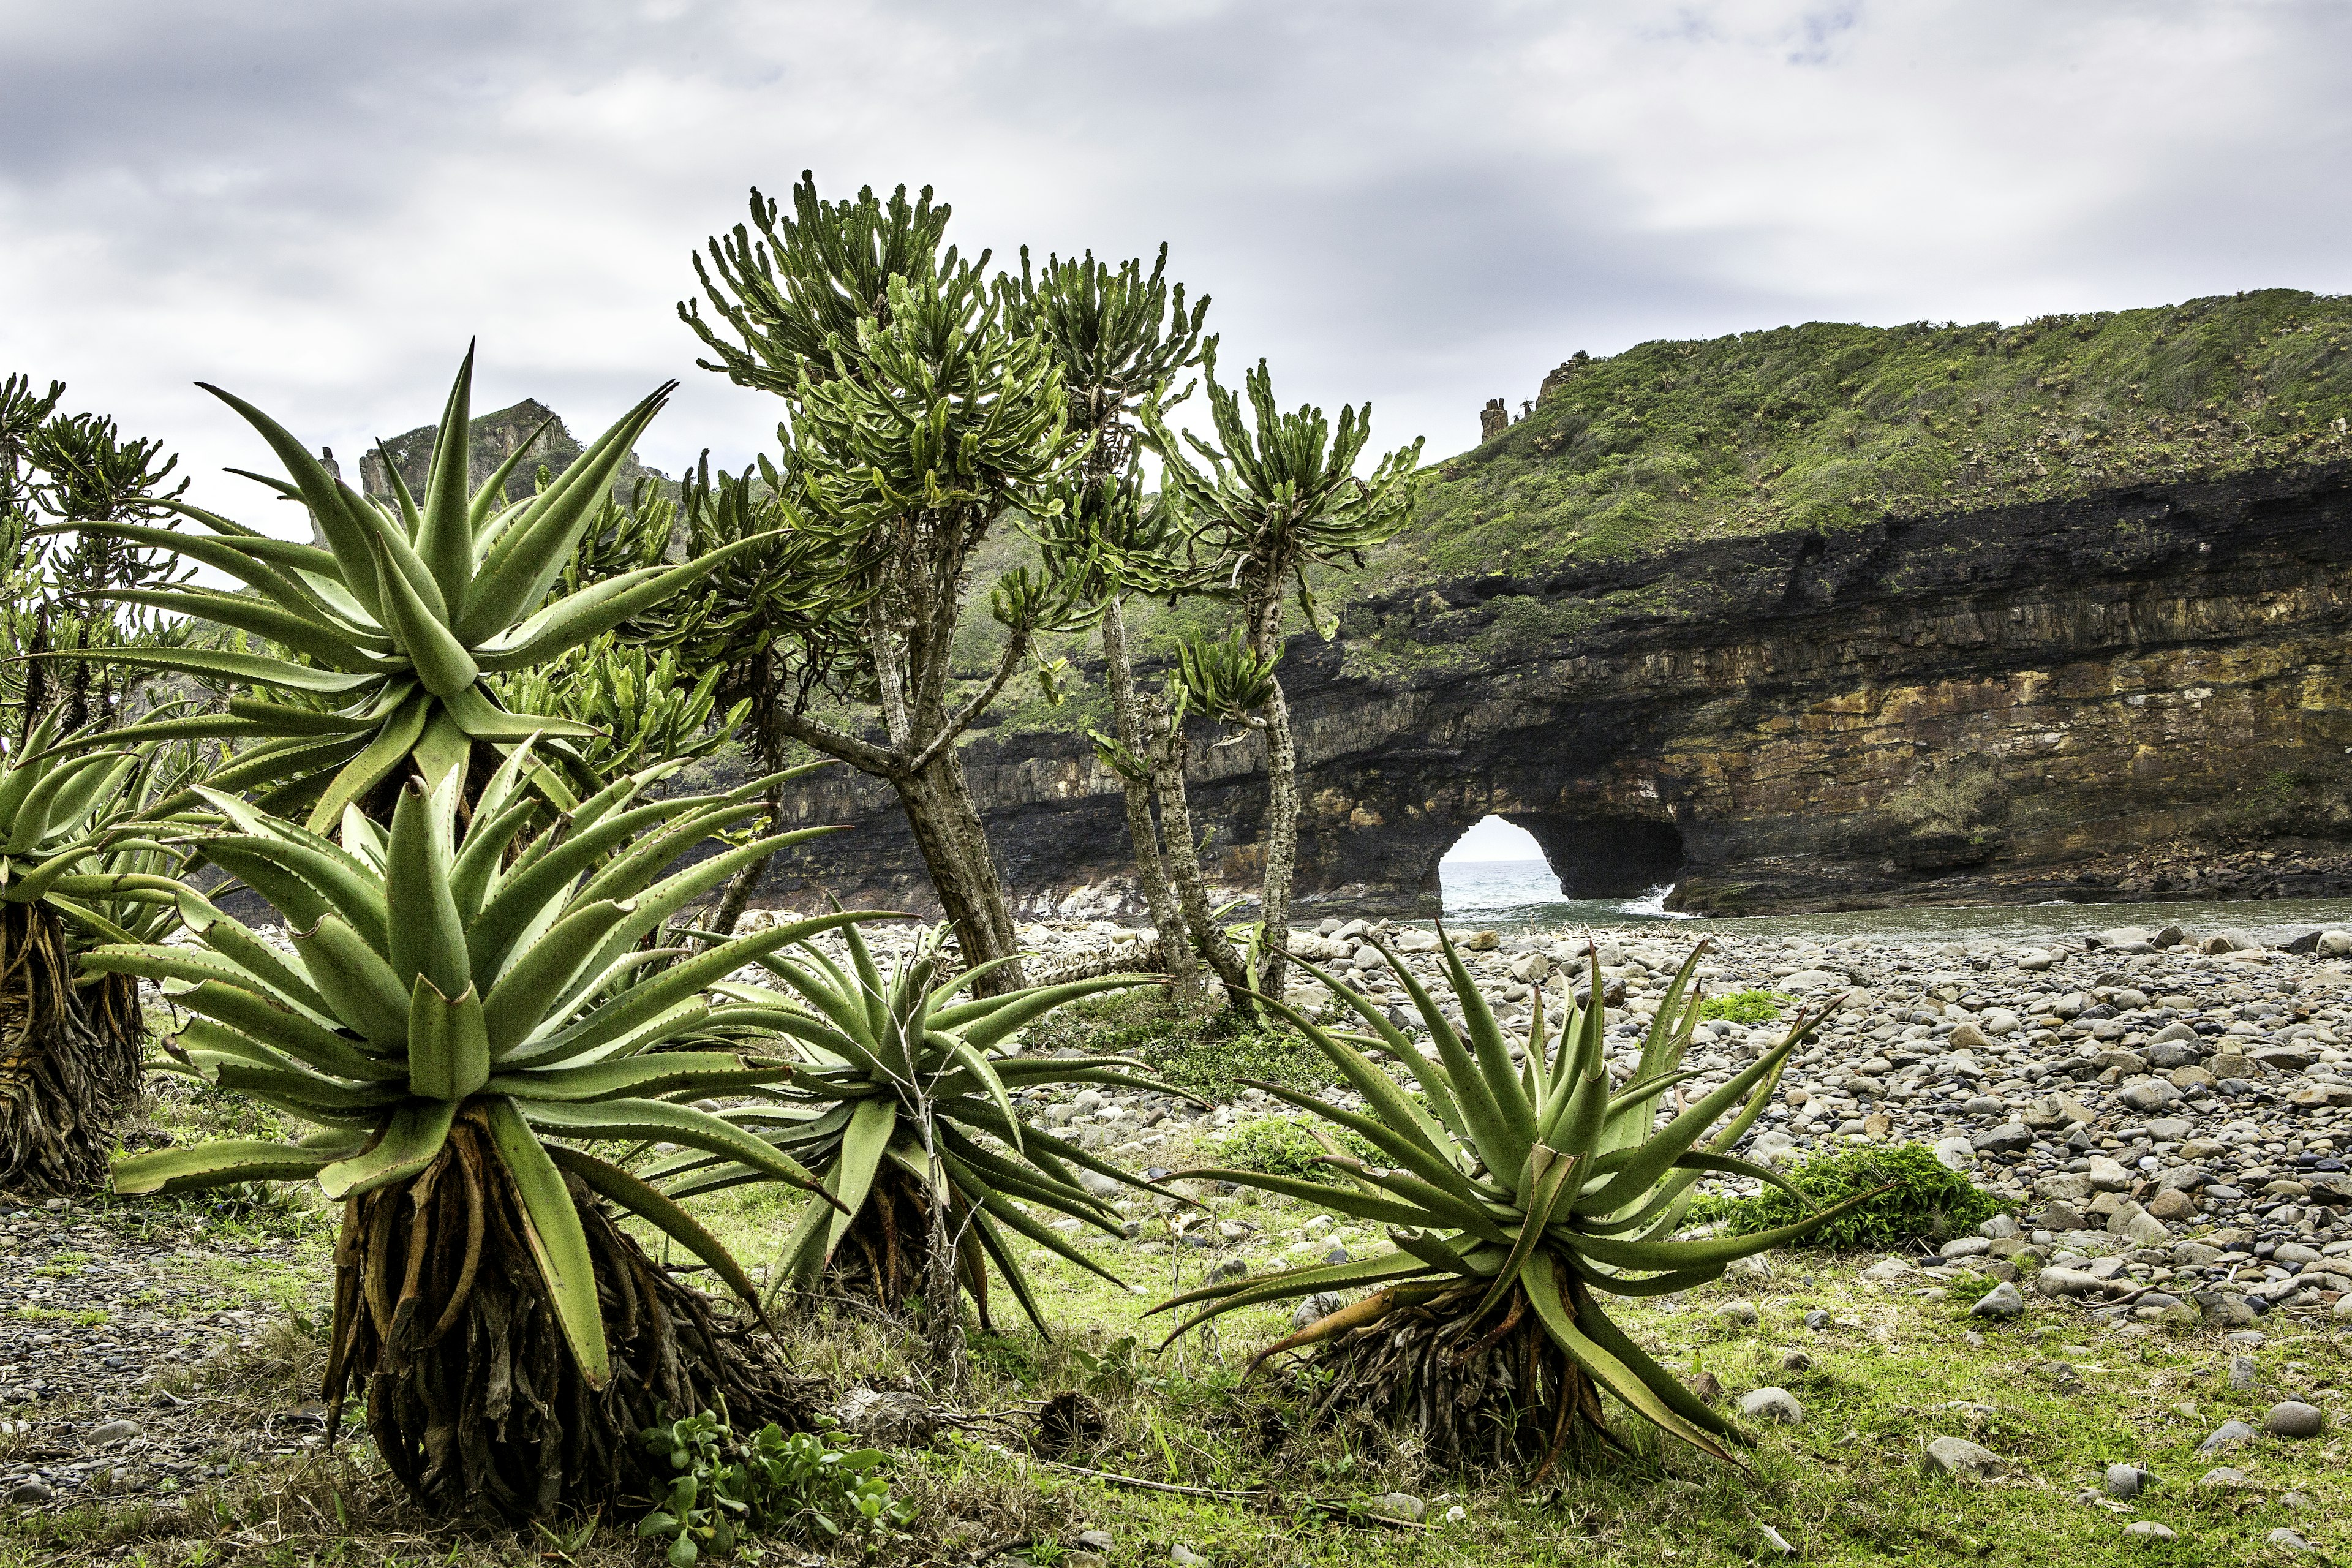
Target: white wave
column 1653, row 904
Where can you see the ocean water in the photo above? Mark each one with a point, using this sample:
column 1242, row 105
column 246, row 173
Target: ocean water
column 1518, row 896
column 1523, row 894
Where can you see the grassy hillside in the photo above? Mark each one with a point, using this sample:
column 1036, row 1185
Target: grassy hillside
column 1827, row 425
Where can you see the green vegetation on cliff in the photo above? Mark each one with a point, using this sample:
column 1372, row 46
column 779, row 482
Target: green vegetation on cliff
column 1827, row 425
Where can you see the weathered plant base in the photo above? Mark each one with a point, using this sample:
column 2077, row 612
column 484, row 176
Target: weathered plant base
column 1489, row 1391
column 883, row 1257
column 70, row 1059
column 443, row 1322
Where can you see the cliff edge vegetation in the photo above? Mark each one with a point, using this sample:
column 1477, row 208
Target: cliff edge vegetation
column 1828, row 425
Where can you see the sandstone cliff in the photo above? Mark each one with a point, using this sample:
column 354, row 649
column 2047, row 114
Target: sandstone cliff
column 2020, row 703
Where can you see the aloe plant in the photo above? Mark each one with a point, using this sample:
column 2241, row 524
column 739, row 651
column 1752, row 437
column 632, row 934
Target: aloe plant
column 901, row 1100
column 68, row 854
column 395, row 626
column 1521, row 1186
column 463, row 1007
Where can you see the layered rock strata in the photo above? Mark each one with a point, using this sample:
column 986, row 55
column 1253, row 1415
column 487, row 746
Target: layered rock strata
column 2141, row 694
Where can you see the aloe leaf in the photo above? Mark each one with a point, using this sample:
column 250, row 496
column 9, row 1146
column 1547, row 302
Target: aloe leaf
column 1602, row 1331
column 1008, row 1214
column 1027, row 1006
column 1604, row 1367
column 1009, row 1267
column 1658, row 1256
column 662, row 1072
column 359, row 987
column 1669, row 1284
column 1430, row 1165
column 1444, row 1120
column 303, row 633
column 655, row 1119
column 448, row 1041
column 317, row 1049
column 164, row 1172
column 529, row 556
column 1482, row 1121
column 474, row 711
column 1492, row 1051
column 594, row 611
column 375, row 763
column 445, row 526
column 872, row 1125
column 654, row 1206
column 320, row 492
column 1359, row 1205
column 1548, row 1173
column 1289, row 1285
column 1657, row 1155
column 428, row 939
column 441, row 662
column 544, row 970
column 413, row 1138
column 558, row 1244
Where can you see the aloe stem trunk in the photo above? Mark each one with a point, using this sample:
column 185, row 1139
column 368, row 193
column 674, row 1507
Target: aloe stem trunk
column 1281, row 804
column 1151, row 873
column 1170, row 752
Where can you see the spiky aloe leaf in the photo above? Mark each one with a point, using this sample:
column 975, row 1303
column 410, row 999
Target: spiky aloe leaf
column 558, row 1244
column 404, row 611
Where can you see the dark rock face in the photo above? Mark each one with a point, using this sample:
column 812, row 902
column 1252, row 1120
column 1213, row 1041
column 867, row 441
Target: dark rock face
column 496, row 434
column 2144, row 693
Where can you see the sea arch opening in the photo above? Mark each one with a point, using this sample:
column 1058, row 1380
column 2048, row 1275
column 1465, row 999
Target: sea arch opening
column 1518, row 859
column 1494, row 865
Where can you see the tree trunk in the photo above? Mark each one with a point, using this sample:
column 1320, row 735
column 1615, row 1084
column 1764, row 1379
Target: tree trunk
column 955, row 851
column 942, row 1289
column 1170, row 752
column 1281, row 843
column 1150, row 873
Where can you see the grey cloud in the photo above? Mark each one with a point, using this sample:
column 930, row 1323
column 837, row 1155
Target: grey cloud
column 1427, row 206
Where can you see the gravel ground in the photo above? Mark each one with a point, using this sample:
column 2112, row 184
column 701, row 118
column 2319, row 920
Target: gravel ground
column 2160, row 1109
column 145, row 1351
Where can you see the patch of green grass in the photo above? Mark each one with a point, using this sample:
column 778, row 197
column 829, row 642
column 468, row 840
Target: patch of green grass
column 1211, row 1057
column 1922, row 1200
column 1744, row 1007
column 1281, row 1146
column 88, row 1316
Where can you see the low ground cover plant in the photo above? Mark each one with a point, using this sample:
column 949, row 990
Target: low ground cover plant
column 815, row 1487
column 1213, row 1055
column 1743, row 1007
column 1286, row 1146
column 1887, row 1197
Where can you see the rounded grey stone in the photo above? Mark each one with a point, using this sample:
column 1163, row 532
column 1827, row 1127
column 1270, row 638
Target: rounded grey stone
column 1771, row 1404
column 2293, row 1418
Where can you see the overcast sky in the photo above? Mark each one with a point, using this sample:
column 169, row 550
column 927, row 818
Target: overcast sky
column 1427, row 204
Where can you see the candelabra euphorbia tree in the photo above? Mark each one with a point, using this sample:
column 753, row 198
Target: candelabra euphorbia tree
column 394, row 627
column 1280, row 495
column 468, row 1001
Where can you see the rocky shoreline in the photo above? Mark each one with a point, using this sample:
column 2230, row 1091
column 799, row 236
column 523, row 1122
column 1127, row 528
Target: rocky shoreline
column 2163, row 1114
